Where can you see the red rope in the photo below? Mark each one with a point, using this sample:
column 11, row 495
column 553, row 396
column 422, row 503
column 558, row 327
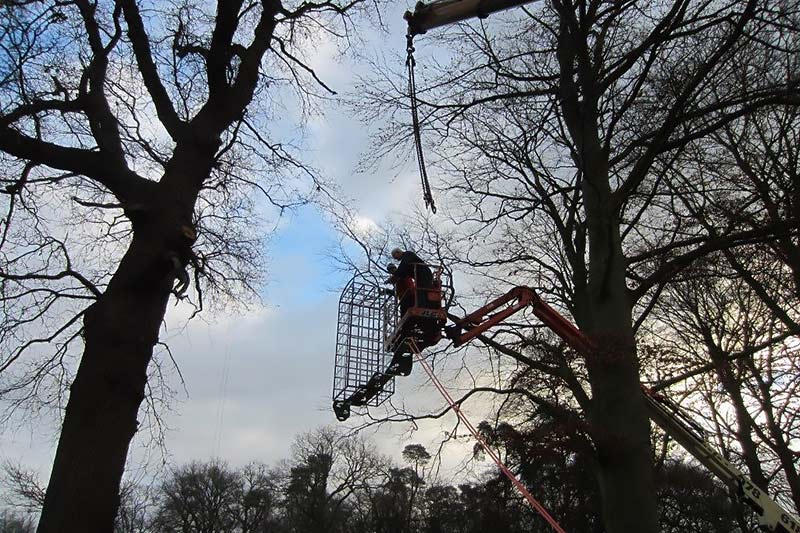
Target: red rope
column 503, row 468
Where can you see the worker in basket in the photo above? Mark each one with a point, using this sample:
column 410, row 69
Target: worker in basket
column 410, row 265
column 414, row 276
column 416, row 289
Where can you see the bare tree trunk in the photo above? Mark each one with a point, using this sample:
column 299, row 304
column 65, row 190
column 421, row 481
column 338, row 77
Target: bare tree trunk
column 100, row 420
column 120, row 332
column 617, row 415
column 744, row 422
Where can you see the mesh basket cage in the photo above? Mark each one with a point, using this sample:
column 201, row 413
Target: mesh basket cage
column 367, row 317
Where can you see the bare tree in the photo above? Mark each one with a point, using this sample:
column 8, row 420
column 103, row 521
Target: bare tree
column 132, row 139
column 258, row 499
column 720, row 322
column 136, row 505
column 24, row 491
column 327, row 470
column 754, row 169
column 554, row 132
column 198, row 497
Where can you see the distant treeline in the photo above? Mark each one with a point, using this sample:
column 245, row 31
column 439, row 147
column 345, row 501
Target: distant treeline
column 337, row 483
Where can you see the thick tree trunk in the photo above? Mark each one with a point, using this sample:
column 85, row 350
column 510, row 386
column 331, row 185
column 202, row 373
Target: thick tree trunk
column 620, row 425
column 120, row 331
column 619, row 421
column 618, row 417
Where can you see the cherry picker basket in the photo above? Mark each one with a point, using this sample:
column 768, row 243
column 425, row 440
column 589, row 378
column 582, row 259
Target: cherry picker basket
column 367, row 315
column 370, row 331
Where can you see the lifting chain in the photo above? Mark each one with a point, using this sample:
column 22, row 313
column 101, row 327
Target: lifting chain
column 427, row 195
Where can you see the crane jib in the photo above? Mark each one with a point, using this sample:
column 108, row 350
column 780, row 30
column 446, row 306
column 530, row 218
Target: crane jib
column 443, row 12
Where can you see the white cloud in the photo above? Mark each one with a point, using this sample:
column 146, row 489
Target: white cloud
column 364, row 225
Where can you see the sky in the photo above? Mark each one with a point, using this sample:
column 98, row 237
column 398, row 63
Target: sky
column 255, row 380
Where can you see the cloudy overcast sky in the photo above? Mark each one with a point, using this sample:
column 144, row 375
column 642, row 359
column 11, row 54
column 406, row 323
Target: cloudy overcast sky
column 255, row 380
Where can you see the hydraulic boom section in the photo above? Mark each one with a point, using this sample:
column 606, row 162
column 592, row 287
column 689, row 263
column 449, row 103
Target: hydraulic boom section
column 771, row 516
column 515, row 300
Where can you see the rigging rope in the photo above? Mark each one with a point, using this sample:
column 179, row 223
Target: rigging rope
column 503, row 468
column 427, row 195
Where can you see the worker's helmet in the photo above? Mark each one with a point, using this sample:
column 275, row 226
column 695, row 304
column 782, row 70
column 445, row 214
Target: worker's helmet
column 397, row 253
